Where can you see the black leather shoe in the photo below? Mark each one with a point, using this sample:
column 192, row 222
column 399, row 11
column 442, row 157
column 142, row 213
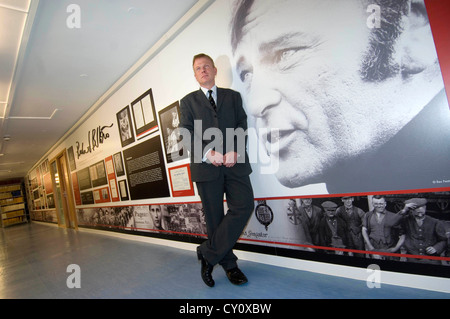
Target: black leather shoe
column 236, row 276
column 206, row 270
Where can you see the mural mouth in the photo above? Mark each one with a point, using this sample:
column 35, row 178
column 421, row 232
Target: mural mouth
column 277, row 140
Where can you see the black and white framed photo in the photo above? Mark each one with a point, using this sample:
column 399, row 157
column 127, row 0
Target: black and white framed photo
column 144, row 114
column 84, row 179
column 125, row 130
column 98, row 174
column 169, row 119
column 118, row 164
column 123, row 190
column 71, row 155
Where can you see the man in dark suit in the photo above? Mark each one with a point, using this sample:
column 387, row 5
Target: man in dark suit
column 217, row 124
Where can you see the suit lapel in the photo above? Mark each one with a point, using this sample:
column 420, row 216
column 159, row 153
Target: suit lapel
column 220, row 98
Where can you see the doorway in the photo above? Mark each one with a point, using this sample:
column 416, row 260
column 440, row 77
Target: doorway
column 65, row 208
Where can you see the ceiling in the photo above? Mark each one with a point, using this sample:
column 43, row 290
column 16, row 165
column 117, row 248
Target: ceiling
column 57, row 60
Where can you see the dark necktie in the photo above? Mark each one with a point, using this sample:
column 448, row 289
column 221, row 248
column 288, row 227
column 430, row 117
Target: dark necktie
column 211, row 100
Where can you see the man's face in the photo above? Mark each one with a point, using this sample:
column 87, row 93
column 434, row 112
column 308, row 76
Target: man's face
column 379, row 204
column 155, row 212
column 348, row 202
column 300, row 62
column 205, row 72
column 306, row 202
column 124, row 124
column 331, row 212
column 420, row 212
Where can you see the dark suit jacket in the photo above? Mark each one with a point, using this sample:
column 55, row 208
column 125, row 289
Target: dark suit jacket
column 230, row 114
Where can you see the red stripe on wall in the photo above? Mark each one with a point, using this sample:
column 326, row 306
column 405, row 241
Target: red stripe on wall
column 439, row 15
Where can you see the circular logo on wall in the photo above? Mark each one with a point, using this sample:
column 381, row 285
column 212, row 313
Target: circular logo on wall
column 264, row 214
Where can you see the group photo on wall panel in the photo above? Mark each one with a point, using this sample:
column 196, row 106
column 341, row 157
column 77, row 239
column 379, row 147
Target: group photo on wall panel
column 348, row 134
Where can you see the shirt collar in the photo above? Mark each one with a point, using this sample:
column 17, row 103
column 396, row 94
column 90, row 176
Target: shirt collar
column 205, row 91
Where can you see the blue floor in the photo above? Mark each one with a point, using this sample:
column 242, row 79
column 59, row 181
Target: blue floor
column 34, row 260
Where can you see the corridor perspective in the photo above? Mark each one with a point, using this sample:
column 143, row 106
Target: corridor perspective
column 35, row 259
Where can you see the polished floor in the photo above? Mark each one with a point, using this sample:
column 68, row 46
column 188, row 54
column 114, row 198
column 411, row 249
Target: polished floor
column 34, row 259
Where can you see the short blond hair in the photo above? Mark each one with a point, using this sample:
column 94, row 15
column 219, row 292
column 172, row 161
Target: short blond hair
column 202, row 55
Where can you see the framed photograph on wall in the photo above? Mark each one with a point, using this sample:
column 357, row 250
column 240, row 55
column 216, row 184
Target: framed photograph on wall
column 144, row 114
column 123, row 190
column 84, row 179
column 180, row 181
column 87, row 198
column 98, row 174
column 124, row 123
column 71, row 155
column 118, row 164
column 101, row 195
column 169, row 120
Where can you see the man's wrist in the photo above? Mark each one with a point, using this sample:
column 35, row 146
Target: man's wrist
column 205, row 157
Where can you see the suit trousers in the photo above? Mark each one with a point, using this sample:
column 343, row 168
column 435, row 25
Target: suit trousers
column 225, row 229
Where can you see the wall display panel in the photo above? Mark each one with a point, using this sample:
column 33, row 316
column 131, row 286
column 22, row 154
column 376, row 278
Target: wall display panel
column 344, row 100
column 123, row 190
column 315, row 228
column 186, row 219
column 51, row 200
column 146, row 171
column 87, row 198
column 169, row 119
column 144, row 114
column 48, row 186
column 71, row 157
column 97, row 173
column 101, row 195
column 39, row 188
column 118, row 164
column 112, row 179
column 181, row 182
column 347, row 119
column 84, row 179
column 124, row 124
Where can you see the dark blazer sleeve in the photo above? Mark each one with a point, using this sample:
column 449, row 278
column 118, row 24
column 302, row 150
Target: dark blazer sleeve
column 187, row 121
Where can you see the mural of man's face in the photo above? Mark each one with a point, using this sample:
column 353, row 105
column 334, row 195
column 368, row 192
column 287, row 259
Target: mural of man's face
column 310, row 69
column 155, row 212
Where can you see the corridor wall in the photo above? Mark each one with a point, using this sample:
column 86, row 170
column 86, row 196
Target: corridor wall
column 346, row 105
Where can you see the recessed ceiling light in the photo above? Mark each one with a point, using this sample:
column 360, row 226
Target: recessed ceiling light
column 84, row 75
